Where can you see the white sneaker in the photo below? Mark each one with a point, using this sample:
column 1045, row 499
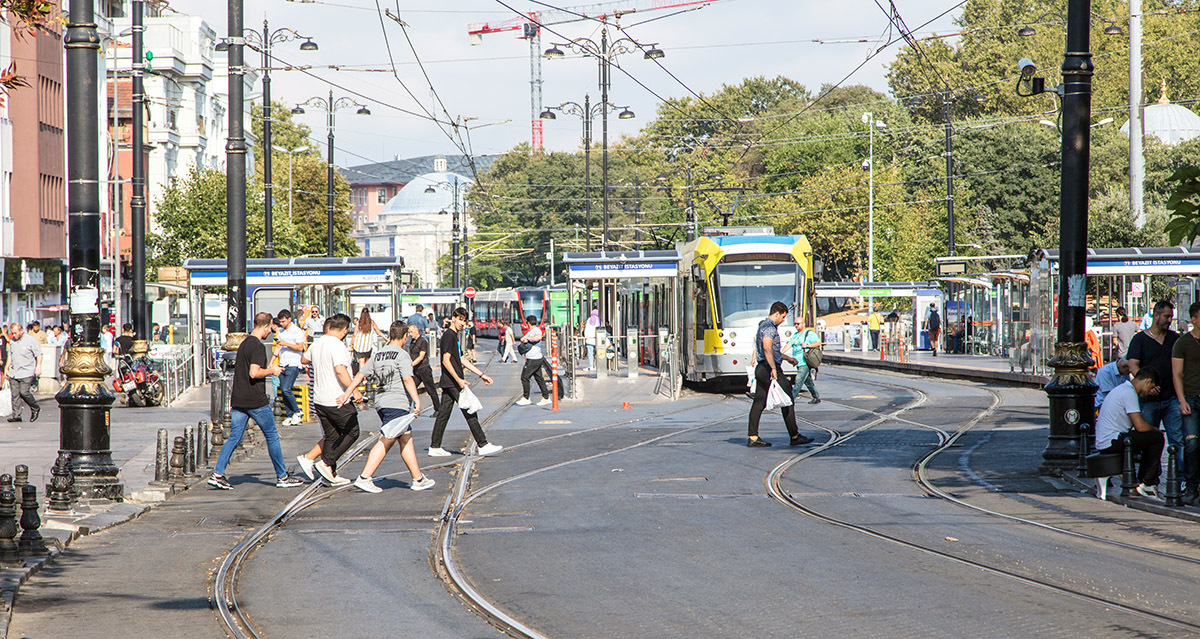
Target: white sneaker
column 325, row 470
column 488, row 449
column 1147, row 491
column 524, row 401
column 545, row 401
column 336, row 481
column 422, row 484
column 438, row 452
column 306, row 465
column 367, row 484
column 295, row 419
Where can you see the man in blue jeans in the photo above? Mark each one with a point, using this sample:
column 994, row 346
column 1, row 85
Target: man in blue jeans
column 1153, row 347
column 291, row 344
column 249, row 400
column 1185, row 367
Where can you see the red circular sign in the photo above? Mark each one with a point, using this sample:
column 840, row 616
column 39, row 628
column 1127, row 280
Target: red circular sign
column 470, row 292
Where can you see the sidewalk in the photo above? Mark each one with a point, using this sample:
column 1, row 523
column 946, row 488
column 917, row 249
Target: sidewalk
column 980, row 368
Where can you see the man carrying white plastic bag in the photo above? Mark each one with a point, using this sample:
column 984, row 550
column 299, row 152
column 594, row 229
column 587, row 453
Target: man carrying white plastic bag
column 772, row 387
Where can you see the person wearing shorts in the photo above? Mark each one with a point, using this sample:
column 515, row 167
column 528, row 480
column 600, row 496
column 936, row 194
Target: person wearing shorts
column 397, row 404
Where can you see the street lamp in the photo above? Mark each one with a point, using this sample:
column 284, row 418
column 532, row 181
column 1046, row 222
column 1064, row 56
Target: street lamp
column 588, row 112
column 604, row 52
column 330, row 106
column 291, row 154
column 457, row 233
column 868, row 119
column 263, row 42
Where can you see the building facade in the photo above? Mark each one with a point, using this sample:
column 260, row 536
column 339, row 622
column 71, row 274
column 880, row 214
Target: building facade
column 372, row 186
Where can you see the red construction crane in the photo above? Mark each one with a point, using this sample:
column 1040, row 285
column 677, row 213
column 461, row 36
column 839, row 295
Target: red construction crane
column 530, row 27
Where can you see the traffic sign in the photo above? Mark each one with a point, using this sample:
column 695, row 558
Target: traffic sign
column 470, row 292
column 1137, row 288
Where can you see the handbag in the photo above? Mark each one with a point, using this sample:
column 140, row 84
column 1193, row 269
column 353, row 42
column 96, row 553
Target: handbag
column 812, row 357
column 524, row 347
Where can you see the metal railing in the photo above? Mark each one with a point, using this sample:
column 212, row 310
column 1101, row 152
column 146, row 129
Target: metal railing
column 174, row 364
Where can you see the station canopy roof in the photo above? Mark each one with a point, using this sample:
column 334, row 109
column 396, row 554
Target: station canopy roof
column 299, row 271
column 622, row 264
column 1171, row 260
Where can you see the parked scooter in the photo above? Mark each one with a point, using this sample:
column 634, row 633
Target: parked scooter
column 141, row 384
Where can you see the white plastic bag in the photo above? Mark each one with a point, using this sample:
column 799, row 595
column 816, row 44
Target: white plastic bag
column 776, row 398
column 396, row 427
column 750, row 380
column 469, row 402
column 5, row 401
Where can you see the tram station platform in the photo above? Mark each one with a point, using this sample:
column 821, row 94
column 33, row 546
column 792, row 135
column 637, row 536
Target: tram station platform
column 979, row 368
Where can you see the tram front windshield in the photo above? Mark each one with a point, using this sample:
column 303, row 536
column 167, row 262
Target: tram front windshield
column 746, row 290
column 532, row 303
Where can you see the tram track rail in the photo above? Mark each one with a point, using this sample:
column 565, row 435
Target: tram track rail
column 773, row 483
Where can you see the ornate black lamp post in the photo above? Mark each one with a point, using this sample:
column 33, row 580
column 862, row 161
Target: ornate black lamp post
column 330, row 106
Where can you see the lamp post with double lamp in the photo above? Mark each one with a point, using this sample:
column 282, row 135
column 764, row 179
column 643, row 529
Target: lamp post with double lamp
column 291, row 153
column 868, row 119
column 457, row 233
column 604, row 51
column 263, row 42
column 587, row 112
column 330, row 105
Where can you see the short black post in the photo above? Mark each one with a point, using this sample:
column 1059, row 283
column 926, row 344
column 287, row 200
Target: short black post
column 62, row 483
column 202, row 439
column 162, row 459
column 22, row 477
column 31, row 544
column 189, row 451
column 1085, row 449
column 1174, row 492
column 218, row 436
column 1128, row 479
column 6, row 483
column 10, row 553
column 178, row 452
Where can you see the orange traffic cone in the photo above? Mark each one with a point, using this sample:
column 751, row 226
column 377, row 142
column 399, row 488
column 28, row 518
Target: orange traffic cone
column 626, row 405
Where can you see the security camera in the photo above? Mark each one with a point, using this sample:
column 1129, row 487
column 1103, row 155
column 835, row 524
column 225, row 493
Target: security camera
column 1027, row 67
column 866, row 164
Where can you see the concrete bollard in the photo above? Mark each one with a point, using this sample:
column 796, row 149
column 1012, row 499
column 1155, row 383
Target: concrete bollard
column 62, row 483
column 218, row 438
column 202, row 444
column 22, row 477
column 10, row 553
column 1128, row 479
column 189, row 451
column 162, row 459
column 1085, row 449
column 6, row 483
column 31, row 544
column 178, row 452
column 1173, row 495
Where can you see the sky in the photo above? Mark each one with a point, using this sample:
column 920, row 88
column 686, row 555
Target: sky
column 488, row 85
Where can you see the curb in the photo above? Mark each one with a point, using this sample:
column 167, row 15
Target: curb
column 1024, row 380
column 1088, row 484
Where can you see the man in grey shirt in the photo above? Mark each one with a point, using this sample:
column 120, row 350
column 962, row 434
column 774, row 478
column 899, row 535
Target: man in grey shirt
column 23, row 367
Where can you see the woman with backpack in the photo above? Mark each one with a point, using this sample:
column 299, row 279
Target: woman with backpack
column 803, row 342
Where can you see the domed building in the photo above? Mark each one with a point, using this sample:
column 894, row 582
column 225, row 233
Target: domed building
column 1171, row 123
column 417, row 222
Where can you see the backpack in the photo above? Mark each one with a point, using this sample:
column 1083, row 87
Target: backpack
column 935, row 321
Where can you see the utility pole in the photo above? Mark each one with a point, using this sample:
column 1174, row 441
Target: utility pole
column 235, row 183
column 454, row 235
column 268, row 187
column 1072, row 389
column 1137, row 163
column 691, row 210
column 950, row 244
column 85, row 400
column 140, row 307
column 329, row 183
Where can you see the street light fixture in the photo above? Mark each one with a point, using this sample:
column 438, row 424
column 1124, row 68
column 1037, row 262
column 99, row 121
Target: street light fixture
column 457, row 233
column 872, row 124
column 291, row 154
column 330, row 105
column 604, row 51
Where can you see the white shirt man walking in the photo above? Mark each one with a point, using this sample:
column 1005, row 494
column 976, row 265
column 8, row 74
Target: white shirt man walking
column 22, row 368
column 339, row 422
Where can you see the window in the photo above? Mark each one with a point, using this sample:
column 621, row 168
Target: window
column 381, row 195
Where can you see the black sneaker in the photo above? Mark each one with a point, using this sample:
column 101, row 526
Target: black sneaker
column 815, row 400
column 33, row 415
column 15, row 418
column 287, row 481
column 757, row 443
column 800, row 440
column 219, row 482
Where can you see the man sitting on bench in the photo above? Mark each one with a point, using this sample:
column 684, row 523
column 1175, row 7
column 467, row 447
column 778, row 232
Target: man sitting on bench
column 1120, row 414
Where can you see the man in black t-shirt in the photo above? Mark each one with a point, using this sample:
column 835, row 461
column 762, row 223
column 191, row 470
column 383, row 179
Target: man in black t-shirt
column 418, row 350
column 452, row 383
column 124, row 343
column 248, row 400
column 1152, row 347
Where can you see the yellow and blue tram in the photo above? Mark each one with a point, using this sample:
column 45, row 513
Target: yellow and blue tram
column 729, row 283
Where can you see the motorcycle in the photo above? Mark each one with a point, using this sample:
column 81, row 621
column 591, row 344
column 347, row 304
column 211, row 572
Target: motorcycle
column 141, row 384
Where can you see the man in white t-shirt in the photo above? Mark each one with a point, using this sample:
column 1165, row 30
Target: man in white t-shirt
column 290, row 343
column 1121, row 416
column 534, row 360
column 331, row 371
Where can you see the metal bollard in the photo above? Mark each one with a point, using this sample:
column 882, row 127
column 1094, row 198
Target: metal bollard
column 178, row 451
column 10, row 553
column 162, row 459
column 6, row 483
column 189, row 451
column 218, row 437
column 202, row 440
column 31, row 544
column 1173, row 495
column 1085, row 449
column 21, row 479
column 62, row 482
column 1128, row 479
